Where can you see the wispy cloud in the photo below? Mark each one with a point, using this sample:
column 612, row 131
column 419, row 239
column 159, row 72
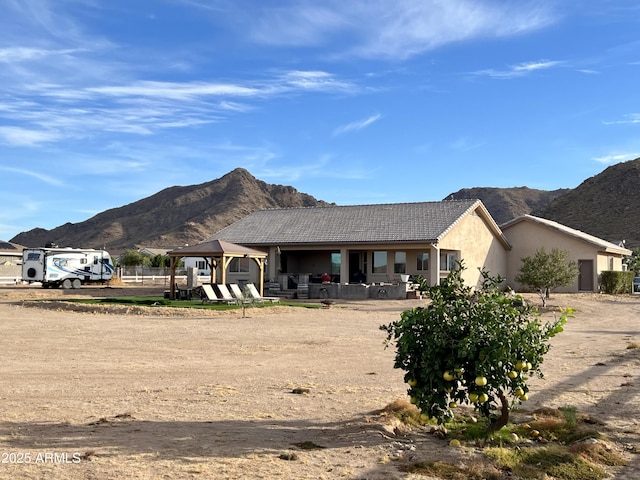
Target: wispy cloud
column 18, row 136
column 616, row 158
column 37, row 175
column 358, row 125
column 464, row 144
column 631, row 118
column 520, row 69
column 45, row 112
column 396, row 30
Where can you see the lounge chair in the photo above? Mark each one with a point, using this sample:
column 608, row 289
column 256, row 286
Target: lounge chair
column 236, row 292
column 207, row 294
column 255, row 295
column 224, row 293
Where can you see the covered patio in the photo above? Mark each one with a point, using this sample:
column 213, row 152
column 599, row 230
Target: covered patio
column 216, row 253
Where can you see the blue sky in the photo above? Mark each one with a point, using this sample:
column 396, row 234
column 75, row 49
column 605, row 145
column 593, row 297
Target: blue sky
column 103, row 103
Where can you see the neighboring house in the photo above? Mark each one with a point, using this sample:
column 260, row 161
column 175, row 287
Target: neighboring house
column 10, row 262
column 593, row 255
column 10, row 253
column 154, row 251
column 374, row 243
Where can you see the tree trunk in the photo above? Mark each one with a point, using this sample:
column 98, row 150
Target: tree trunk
column 503, row 419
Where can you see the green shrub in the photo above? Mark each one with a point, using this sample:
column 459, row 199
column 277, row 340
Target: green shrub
column 613, row 282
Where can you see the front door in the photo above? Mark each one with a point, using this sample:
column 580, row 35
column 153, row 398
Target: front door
column 585, row 277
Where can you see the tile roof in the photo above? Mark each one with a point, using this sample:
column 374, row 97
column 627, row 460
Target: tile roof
column 606, row 246
column 214, row 247
column 10, row 248
column 394, row 222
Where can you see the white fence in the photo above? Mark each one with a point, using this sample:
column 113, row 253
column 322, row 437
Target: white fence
column 10, row 279
column 158, row 280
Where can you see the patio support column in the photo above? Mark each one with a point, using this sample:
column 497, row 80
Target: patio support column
column 274, row 263
column 434, row 261
column 260, row 262
column 344, row 265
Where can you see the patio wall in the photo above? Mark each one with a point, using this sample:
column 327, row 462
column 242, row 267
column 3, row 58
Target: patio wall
column 358, row 291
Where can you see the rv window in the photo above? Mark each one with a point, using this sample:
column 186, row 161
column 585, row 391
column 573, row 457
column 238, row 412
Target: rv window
column 95, row 260
column 83, row 260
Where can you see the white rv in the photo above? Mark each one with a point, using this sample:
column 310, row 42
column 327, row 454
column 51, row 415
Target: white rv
column 66, row 267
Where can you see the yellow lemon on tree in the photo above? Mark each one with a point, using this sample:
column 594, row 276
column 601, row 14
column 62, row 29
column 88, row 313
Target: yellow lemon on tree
column 413, row 382
column 448, row 376
column 483, row 397
column 481, row 381
column 512, row 374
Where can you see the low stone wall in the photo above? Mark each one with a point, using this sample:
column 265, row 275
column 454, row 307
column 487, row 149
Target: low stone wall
column 358, row 291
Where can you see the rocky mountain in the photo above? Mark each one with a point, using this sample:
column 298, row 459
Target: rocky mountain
column 507, row 203
column 606, row 205
column 174, row 216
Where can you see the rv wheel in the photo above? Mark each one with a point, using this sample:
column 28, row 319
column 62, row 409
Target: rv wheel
column 66, row 284
column 76, row 283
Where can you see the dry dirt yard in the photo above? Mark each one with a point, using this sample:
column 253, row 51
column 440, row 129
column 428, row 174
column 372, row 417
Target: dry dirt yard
column 164, row 393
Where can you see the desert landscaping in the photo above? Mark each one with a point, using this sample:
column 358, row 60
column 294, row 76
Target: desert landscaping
column 93, row 391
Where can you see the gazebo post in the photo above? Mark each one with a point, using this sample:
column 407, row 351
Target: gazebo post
column 260, row 262
column 172, row 277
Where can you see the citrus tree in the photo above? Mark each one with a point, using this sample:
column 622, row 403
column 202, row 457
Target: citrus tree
column 474, row 347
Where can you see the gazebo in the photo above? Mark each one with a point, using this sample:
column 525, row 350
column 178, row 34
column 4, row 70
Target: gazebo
column 216, row 252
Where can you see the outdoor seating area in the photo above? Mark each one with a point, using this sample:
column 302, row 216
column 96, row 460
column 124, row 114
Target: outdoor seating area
column 231, row 294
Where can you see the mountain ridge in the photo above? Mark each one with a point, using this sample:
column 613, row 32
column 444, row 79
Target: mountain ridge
column 605, row 205
column 174, row 216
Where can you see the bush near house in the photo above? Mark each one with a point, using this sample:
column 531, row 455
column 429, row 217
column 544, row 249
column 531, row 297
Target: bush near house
column 613, row 282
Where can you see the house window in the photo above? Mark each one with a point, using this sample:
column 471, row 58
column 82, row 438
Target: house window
column 423, row 262
column 201, row 265
column 336, row 260
column 379, row 262
column 447, row 260
column 400, row 262
column 610, row 263
column 239, row 265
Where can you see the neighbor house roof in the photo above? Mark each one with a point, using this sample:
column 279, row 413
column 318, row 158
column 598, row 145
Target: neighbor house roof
column 598, row 242
column 8, row 248
column 423, row 222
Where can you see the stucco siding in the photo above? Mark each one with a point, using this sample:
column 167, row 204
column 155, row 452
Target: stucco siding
column 478, row 246
column 527, row 238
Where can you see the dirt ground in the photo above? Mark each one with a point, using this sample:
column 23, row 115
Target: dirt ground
column 155, row 392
